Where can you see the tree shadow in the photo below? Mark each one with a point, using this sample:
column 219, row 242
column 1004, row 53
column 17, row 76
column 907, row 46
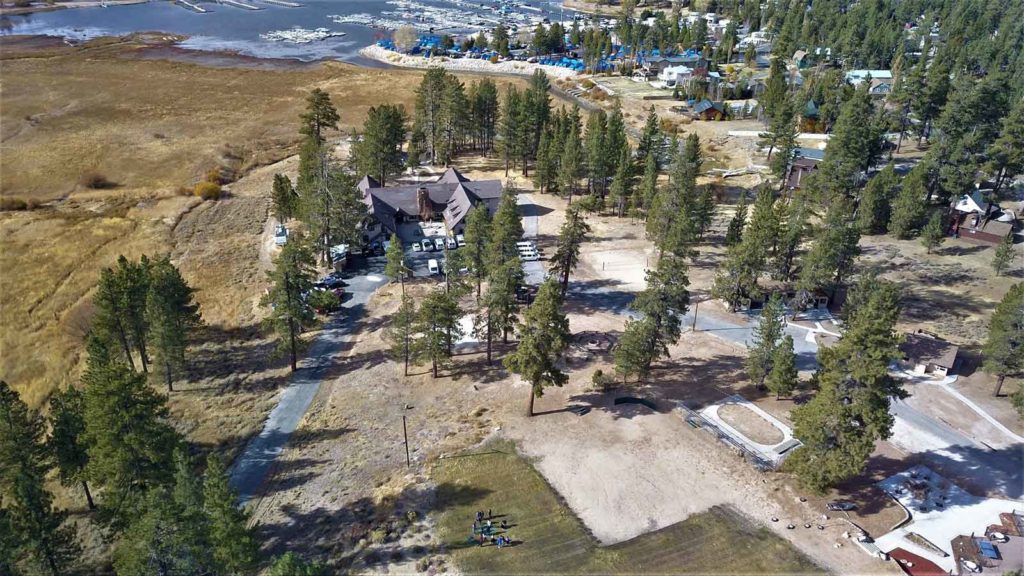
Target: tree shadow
column 588, row 296
column 367, row 533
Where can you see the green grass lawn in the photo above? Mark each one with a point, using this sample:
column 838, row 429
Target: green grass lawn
column 550, row 539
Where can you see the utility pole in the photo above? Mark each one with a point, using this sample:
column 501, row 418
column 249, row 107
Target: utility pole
column 693, row 326
column 405, row 435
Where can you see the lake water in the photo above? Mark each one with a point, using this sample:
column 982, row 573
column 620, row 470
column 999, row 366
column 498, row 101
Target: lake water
column 230, row 28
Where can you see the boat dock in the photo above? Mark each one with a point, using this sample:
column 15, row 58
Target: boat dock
column 240, row 4
column 192, row 6
column 283, row 3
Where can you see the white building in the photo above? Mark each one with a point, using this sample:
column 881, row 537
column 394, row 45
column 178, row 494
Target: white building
column 675, row 75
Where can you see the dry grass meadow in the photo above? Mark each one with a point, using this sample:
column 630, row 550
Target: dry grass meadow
column 152, row 120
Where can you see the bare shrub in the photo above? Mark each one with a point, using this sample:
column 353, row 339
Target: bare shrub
column 96, row 181
column 207, row 190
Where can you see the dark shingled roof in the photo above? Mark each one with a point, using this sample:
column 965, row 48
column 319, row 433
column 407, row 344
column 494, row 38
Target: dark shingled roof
column 925, row 349
column 452, row 195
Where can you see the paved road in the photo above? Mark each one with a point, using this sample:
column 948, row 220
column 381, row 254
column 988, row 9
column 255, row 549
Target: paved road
column 251, row 468
column 534, row 271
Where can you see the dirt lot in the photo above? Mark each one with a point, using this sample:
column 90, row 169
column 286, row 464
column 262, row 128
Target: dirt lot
column 750, row 424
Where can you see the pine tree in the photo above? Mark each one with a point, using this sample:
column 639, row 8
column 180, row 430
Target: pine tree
column 933, row 234
column 747, row 260
column 841, row 424
column 290, row 564
column 597, row 152
column 35, row 528
column 833, row 251
column 498, row 308
column 793, row 223
column 377, row 151
column 543, row 337
column 622, row 183
column 734, row 233
column 567, row 248
column 284, row 199
column 483, row 97
column 649, row 183
column 1006, row 154
column 67, row 442
column 637, row 349
column 400, row 332
column 235, row 549
column 320, row 115
column 876, row 201
column 616, row 141
column 783, row 378
column 331, row 205
column 775, row 91
column 571, row 165
column 396, row 267
column 291, row 314
column 129, row 441
column 173, row 317
column 438, row 326
column 1003, row 352
column 545, row 170
column 1003, row 256
column 511, row 127
column 162, row 539
column 650, row 139
column 908, row 209
column 766, row 337
column 477, row 234
column 506, row 228
column 856, row 140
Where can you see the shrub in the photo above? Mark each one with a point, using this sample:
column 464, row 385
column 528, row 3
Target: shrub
column 494, row 59
column 207, row 190
column 13, row 203
column 324, row 301
column 601, row 380
column 95, row 181
column 213, row 175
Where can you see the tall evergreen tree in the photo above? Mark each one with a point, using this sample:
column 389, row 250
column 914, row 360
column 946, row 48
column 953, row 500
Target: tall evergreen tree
column 649, row 184
column 173, row 317
column 400, row 332
column 738, row 222
column 543, row 337
column 498, row 308
column 484, row 112
column 833, row 251
column 438, row 326
column 285, row 201
column 1003, row 256
column 567, row 248
column 1006, row 153
column 1003, row 352
column 793, row 228
column 767, row 334
column 235, row 549
column 934, row 233
column 477, row 234
column 377, row 151
column 320, row 114
column 290, row 564
column 291, row 313
column 571, row 165
column 650, row 139
column 783, row 378
column 876, row 201
column 110, row 322
column 396, row 267
column 622, row 183
column 908, row 208
column 128, row 438
column 850, row 413
column 506, row 228
column 36, row 534
column 67, row 439
column 597, row 153
column 163, row 539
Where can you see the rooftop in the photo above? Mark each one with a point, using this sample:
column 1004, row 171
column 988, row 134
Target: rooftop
column 939, row 512
column 926, row 349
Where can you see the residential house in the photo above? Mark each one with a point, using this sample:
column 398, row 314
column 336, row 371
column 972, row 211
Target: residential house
column 676, row 75
column 448, row 200
column 927, row 354
column 881, row 80
column 805, row 162
column 708, row 110
column 979, row 220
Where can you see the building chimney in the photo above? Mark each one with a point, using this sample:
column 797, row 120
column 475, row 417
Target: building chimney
column 424, row 205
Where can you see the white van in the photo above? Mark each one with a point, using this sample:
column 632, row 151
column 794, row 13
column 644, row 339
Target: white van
column 433, row 267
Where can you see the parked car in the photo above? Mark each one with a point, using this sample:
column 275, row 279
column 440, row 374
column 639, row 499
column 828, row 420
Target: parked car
column 416, row 247
column 439, row 244
column 529, row 256
column 428, row 246
column 526, row 245
column 460, row 240
column 452, row 244
column 376, row 248
column 280, row 235
column 433, row 267
column 840, row 506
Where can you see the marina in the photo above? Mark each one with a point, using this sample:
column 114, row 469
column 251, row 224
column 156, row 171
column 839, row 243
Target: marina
column 266, row 28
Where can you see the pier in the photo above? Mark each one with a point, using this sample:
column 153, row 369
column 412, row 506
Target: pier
column 283, row 3
column 193, row 6
column 240, row 4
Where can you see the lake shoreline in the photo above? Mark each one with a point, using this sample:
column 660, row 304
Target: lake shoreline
column 35, row 8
